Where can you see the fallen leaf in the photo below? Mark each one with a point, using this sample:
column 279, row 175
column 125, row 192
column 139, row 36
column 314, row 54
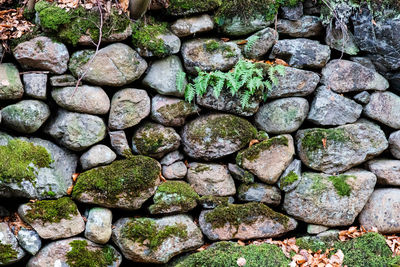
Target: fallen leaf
column 242, row 42
column 253, row 142
column 281, row 62
column 69, row 190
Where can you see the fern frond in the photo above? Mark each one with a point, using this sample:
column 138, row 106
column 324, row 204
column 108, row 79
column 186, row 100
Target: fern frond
column 250, row 42
column 180, row 80
column 190, row 93
column 245, row 98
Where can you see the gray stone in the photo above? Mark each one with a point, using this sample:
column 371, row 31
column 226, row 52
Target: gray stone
column 343, row 76
column 26, row 116
column 35, row 85
column 282, row 115
column 302, row 53
column 29, row 240
column 210, row 179
column 55, row 253
column 119, row 142
column 385, row 108
column 292, row 12
column 171, row 111
column 10, row 83
column 330, row 108
column 155, row 140
column 42, row 53
column 7, row 238
column 76, row 131
column 365, row 61
column 72, row 226
column 316, row 200
column 188, row 26
column 259, row 192
column 171, row 44
column 268, row 159
column 98, row 225
column 261, row 224
column 161, row 76
column 341, row 40
column 240, row 174
column 294, row 82
column 172, row 157
column 314, row 229
column 382, row 211
column 96, row 156
column 386, row 170
column 63, row 80
column 291, row 177
column 363, row 98
column 344, row 147
column 83, row 99
column 264, row 40
column 237, row 26
column 128, row 108
column 394, row 144
column 172, row 245
column 209, row 55
column 176, row 170
column 114, row 65
column 306, row 26
column 206, row 137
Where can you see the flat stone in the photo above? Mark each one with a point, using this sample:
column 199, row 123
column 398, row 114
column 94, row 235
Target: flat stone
column 29, row 240
column 314, row 229
column 96, row 156
column 10, row 83
column 35, row 85
column 63, row 80
column 176, row 170
column 98, row 225
column 119, row 142
column 386, row 170
column 172, row 157
column 305, row 26
column 192, row 25
column 385, row 108
column 259, row 192
column 260, row 43
column 7, row 238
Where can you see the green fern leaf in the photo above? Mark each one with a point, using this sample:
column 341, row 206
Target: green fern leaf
column 180, row 80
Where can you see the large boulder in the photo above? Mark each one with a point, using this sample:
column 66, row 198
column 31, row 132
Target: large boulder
column 216, row 135
column 244, row 221
column 156, row 240
column 269, row 158
column 76, row 252
column 114, row 65
column 338, row 149
column 10, row 251
column 42, row 53
column 386, row 170
column 385, row 108
column 10, row 83
column 124, row 184
column 76, row 131
column 330, row 200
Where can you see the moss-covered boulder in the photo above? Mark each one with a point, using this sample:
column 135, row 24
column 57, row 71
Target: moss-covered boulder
column 189, row 7
column 34, row 168
column 244, row 221
column 339, row 149
column 76, row 252
column 11, row 86
column 216, row 135
column 330, row 200
column 124, row 184
column 174, row 197
column 228, row 254
column 10, row 251
column 156, row 240
column 53, row 219
column 269, row 158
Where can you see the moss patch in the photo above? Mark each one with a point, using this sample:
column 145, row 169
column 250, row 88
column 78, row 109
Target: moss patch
column 130, row 176
column 192, row 6
column 182, row 109
column 51, row 211
column 20, row 161
column 236, row 214
column 252, row 153
column 311, row 243
column 288, row 179
column 201, row 168
column 81, row 256
column 227, row 254
column 214, row 200
column 7, row 253
column 339, row 182
column 146, row 232
column 313, row 138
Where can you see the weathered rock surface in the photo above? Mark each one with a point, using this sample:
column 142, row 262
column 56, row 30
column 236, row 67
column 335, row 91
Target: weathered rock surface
column 176, row 170
column 341, row 40
column 96, row 156
column 305, row 26
column 344, row 147
column 302, row 53
column 329, row 108
column 63, row 80
column 240, row 174
column 8, row 239
column 292, row 12
column 363, row 98
column 42, row 53
column 386, row 170
column 385, row 108
column 128, row 108
column 171, row 245
column 282, row 115
column 268, row 159
column 192, row 25
column 216, row 135
column 210, row 179
column 209, row 55
column 344, row 76
column 122, row 64
column 260, row 43
column 98, row 225
column 35, row 85
column 330, row 200
column 259, row 192
column 172, row 157
column 237, row 26
column 76, row 131
column 84, row 99
column 10, row 83
column 119, row 142
column 26, row 116
column 29, row 240
column 291, row 177
column 171, row 45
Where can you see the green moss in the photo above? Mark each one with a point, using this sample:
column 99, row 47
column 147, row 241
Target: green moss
column 289, row 179
column 51, row 211
column 130, row 176
column 49, row 194
column 81, row 256
column 339, row 182
column 252, row 153
column 51, row 16
column 369, row 250
column 7, row 253
column 227, row 253
column 213, row 46
column 201, row 168
column 147, row 232
column 214, row 200
column 313, row 138
column 236, row 214
column 79, row 59
column 191, row 6
column 311, row 243
column 182, row 109
column 319, row 185
column 20, row 161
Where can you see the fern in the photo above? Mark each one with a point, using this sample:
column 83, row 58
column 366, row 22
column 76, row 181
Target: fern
column 180, row 80
column 250, row 43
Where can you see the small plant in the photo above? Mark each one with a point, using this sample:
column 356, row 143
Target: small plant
column 246, row 79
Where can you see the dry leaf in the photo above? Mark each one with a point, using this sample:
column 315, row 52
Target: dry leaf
column 281, row 62
column 241, row 42
column 69, row 190
column 75, row 177
column 252, row 142
column 225, row 39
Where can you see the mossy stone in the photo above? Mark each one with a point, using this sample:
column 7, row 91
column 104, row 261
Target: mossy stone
column 188, row 7
column 80, row 255
column 11, row 86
